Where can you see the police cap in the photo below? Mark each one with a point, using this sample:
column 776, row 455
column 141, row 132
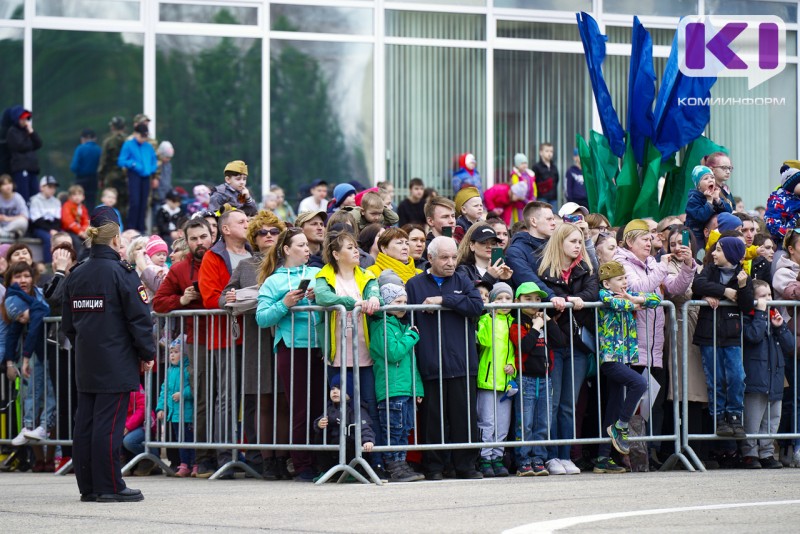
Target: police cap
column 104, row 215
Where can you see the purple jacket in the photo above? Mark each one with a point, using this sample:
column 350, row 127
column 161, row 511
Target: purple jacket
column 653, row 277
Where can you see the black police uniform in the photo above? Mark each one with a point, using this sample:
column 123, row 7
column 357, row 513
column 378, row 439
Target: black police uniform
column 106, row 317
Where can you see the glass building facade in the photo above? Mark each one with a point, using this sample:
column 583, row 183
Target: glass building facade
column 365, row 90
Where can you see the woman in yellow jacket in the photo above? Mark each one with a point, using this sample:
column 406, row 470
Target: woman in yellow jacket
column 495, row 372
column 393, row 253
column 342, row 282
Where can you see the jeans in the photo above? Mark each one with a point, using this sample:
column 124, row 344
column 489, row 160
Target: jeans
column 400, row 419
column 44, row 235
column 533, row 417
column 138, row 191
column 729, row 385
column 567, row 376
column 187, row 455
column 134, row 442
column 39, row 390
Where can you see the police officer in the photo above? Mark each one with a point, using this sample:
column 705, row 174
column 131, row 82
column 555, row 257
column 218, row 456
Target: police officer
column 106, row 318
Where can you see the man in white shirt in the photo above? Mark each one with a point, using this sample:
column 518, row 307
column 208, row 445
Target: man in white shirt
column 317, row 201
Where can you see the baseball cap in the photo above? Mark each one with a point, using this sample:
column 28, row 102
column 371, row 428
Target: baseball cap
column 140, row 117
column 527, row 288
column 48, row 180
column 117, row 122
column 571, row 207
column 308, row 215
column 317, row 182
column 484, row 234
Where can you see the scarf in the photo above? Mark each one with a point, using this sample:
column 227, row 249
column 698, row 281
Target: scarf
column 565, row 274
column 404, row 270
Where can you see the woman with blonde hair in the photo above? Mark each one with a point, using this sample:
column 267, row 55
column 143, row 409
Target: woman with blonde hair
column 565, row 268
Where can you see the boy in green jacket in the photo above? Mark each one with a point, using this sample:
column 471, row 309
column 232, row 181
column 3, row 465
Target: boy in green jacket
column 397, row 379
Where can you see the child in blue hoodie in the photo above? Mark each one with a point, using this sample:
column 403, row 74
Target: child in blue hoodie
column 176, row 405
column 703, row 202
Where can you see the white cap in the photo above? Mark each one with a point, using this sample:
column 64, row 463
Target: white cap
column 571, row 207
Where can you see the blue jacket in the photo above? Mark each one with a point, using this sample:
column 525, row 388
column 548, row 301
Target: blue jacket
column 86, row 159
column 34, row 340
column 699, row 212
column 462, row 178
column 764, row 351
column 139, row 158
column 464, row 303
column 271, row 310
column 521, row 256
column 171, row 385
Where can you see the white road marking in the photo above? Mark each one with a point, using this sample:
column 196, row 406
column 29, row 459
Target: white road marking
column 547, row 527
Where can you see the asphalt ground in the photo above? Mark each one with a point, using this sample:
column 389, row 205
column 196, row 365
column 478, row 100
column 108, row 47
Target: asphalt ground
column 718, row 501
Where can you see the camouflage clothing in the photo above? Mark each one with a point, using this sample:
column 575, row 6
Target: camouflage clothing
column 109, row 173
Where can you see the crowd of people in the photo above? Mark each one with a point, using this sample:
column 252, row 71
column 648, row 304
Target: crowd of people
column 526, row 373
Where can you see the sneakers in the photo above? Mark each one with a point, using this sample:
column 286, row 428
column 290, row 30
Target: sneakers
column 569, row 467
column 470, row 475
column 281, row 471
column 306, row 475
column 554, row 467
column 498, row 467
column 607, row 465
column 539, row 470
column 770, row 463
column 724, row 428
column 269, row 472
column 486, row 469
column 144, row 468
column 37, row 434
column 204, row 471
column 619, row 438
column 401, row 472
column 183, row 471
column 524, row 470
column 750, row 462
column 795, row 459
column 194, row 470
column 21, row 438
column 786, row 455
column 736, row 426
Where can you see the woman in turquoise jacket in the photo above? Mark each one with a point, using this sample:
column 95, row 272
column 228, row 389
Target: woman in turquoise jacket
column 300, row 364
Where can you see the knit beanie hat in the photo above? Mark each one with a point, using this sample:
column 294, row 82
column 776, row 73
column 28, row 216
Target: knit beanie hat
column 336, row 382
column 341, row 192
column 388, row 276
column 463, row 196
column 498, row 289
column 389, row 292
column 155, row 245
column 519, row 159
column 519, row 190
column 610, row 270
column 15, row 306
column 733, row 248
column 727, row 222
column 698, row 172
column 790, row 177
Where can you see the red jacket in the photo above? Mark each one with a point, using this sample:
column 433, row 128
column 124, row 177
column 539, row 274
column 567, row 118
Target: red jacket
column 168, row 297
column 74, row 217
column 215, row 273
column 135, row 416
column 497, row 197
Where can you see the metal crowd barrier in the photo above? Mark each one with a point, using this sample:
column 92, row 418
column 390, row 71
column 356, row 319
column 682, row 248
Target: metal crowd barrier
column 794, row 430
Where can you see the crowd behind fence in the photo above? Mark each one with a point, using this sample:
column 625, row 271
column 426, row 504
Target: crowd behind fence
column 238, row 406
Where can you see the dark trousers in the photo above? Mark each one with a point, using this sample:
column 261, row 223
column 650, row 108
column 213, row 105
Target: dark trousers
column 302, row 376
column 89, row 184
column 27, row 183
column 625, row 388
column 460, row 422
column 97, row 439
column 138, row 192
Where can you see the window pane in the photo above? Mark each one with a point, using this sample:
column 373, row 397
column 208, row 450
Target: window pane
column 435, row 110
column 448, row 2
column 549, row 101
column 435, row 25
column 656, row 8
column 622, row 34
column 12, row 9
column 208, row 104
column 318, row 19
column 516, row 29
column 759, row 137
column 89, row 9
column 321, row 106
column 12, row 79
column 208, row 14
column 81, row 80
column 785, row 10
column 560, row 5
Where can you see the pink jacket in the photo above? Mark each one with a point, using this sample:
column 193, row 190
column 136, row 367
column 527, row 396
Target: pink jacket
column 497, row 197
column 653, row 276
column 136, row 407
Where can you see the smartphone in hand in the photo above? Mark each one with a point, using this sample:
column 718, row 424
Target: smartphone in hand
column 686, row 238
column 303, row 285
column 497, row 254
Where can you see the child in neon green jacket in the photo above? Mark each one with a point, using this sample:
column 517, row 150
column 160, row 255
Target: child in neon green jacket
column 495, row 371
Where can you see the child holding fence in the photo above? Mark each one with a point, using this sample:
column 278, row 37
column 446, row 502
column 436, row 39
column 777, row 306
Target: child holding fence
column 724, row 280
column 619, row 348
column 398, row 386
column 533, row 350
column 764, row 352
column 177, row 388
column 495, row 370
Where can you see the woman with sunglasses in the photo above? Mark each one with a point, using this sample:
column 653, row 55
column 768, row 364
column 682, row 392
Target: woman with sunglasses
column 259, row 377
column 300, row 365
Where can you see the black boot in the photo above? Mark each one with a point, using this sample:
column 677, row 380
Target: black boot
column 737, row 429
column 400, row 472
column 270, row 473
column 281, row 471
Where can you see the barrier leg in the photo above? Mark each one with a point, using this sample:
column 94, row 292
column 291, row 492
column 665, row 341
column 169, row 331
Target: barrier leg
column 65, row 469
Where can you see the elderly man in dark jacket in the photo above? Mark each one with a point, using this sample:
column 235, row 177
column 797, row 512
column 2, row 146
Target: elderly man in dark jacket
column 448, row 364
